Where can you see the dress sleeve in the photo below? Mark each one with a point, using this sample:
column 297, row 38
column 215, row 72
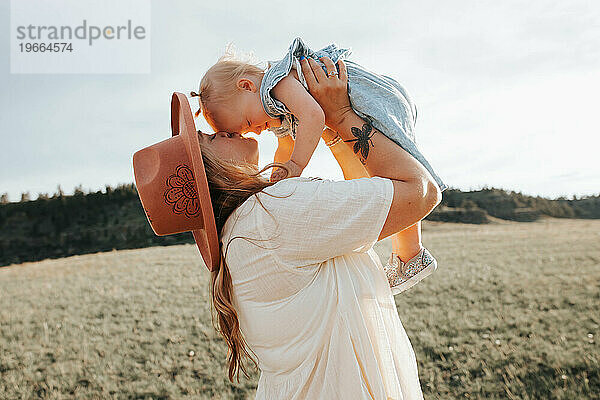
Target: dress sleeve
column 322, row 219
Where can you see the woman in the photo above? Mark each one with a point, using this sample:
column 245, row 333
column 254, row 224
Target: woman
column 300, row 285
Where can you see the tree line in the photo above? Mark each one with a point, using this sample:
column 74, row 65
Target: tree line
column 63, row 225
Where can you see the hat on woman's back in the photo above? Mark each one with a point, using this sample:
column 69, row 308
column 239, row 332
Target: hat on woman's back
column 172, row 185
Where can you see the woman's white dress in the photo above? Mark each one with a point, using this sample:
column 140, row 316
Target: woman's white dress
column 313, row 302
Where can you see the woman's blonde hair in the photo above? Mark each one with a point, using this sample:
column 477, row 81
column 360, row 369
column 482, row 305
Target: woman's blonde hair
column 218, row 85
column 230, row 184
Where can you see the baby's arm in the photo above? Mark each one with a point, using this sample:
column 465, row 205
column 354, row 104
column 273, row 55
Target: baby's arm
column 285, row 146
column 311, row 119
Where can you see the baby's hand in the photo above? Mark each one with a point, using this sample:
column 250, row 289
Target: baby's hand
column 280, row 173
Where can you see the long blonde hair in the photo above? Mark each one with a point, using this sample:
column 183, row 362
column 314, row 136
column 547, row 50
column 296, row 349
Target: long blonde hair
column 218, row 85
column 230, row 184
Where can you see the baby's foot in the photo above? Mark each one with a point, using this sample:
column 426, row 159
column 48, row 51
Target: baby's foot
column 402, row 276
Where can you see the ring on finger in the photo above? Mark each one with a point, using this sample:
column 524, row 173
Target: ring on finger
column 332, row 73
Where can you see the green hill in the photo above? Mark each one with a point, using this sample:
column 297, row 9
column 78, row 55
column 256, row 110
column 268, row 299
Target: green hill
column 64, row 225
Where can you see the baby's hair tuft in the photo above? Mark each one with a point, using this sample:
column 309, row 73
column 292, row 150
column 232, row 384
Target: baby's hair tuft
column 218, row 87
column 231, row 53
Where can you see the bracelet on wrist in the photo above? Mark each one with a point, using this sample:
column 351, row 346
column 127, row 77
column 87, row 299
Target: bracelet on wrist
column 333, row 141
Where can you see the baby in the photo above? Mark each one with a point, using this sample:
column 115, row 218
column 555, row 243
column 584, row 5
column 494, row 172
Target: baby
column 237, row 96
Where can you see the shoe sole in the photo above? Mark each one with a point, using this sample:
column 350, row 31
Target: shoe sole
column 415, row 279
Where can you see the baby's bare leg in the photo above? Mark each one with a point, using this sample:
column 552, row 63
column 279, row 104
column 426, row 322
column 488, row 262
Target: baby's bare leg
column 407, row 243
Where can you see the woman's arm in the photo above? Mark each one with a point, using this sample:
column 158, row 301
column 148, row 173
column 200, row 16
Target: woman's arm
column 415, row 191
column 405, row 243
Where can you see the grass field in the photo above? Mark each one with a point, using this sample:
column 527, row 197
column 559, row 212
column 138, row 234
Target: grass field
column 512, row 312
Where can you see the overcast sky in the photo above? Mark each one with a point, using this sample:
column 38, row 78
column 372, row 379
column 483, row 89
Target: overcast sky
column 507, row 91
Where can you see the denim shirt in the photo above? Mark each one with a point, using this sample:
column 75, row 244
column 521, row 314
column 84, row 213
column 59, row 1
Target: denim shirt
column 378, row 99
column 279, row 70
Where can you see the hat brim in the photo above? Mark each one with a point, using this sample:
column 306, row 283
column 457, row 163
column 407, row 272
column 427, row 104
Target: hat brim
column 182, row 123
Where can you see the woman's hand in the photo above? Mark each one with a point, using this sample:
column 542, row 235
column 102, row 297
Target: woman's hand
column 331, row 92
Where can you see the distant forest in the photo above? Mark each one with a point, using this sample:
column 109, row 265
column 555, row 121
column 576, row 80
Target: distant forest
column 64, row 225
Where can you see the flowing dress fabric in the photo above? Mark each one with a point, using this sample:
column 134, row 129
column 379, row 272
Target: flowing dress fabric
column 312, row 299
column 376, row 98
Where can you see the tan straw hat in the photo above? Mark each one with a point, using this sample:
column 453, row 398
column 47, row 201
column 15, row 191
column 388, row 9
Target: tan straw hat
column 171, row 182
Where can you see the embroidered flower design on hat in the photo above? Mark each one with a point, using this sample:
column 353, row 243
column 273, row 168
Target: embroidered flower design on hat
column 181, row 192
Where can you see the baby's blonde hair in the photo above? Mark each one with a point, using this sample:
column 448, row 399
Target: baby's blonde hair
column 218, row 85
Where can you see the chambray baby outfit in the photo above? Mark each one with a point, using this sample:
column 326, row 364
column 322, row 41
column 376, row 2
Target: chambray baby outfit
column 378, row 99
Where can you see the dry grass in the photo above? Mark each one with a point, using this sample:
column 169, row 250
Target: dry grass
column 508, row 314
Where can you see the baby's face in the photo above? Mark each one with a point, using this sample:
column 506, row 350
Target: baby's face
column 250, row 116
column 246, row 113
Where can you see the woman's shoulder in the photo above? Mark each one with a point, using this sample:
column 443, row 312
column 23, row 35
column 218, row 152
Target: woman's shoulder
column 280, row 189
column 301, row 187
column 316, row 181
column 297, row 191
column 287, row 183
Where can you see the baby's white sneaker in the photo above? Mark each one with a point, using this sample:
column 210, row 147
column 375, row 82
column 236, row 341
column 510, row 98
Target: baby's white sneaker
column 402, row 276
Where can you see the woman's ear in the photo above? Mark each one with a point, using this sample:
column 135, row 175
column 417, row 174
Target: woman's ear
column 246, row 84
